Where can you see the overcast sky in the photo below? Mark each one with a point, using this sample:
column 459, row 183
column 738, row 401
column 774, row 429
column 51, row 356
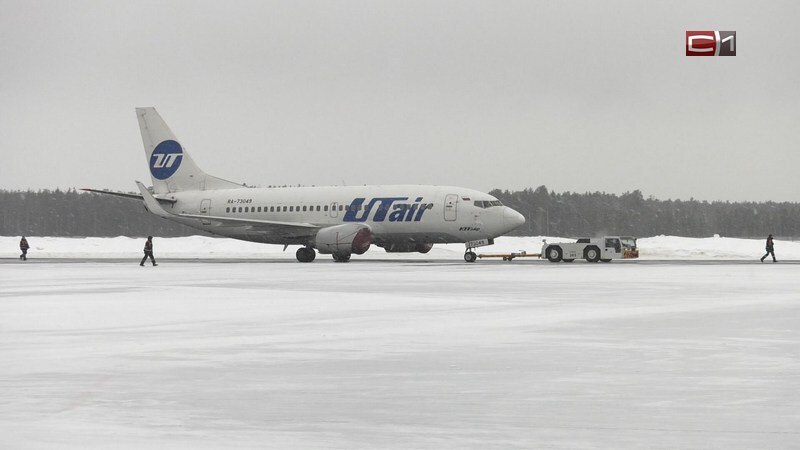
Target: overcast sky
column 578, row 96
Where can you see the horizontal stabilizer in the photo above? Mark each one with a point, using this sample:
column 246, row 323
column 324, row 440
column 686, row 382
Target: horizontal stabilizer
column 130, row 195
column 150, row 202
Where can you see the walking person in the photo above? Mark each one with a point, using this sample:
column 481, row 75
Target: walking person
column 770, row 250
column 23, row 245
column 148, row 251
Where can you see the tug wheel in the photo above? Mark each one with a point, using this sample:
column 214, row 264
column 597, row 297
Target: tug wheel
column 554, row 253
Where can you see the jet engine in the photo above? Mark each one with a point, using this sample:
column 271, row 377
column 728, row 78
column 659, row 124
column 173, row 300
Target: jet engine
column 344, row 240
column 408, row 247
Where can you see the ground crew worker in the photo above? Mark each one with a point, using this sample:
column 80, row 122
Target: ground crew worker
column 148, row 251
column 23, row 245
column 770, row 250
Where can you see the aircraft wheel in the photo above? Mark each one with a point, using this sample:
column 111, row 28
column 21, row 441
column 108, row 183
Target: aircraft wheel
column 470, row 257
column 341, row 258
column 305, row 254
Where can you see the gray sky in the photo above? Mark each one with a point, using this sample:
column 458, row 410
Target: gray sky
column 582, row 95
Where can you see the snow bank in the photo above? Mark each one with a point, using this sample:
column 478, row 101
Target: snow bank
column 658, row 247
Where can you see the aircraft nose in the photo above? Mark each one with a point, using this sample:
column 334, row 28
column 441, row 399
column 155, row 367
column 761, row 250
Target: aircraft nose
column 512, row 219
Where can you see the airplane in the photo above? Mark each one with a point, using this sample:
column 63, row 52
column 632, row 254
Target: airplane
column 336, row 220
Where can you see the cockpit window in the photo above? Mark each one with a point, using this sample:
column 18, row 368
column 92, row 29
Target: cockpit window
column 487, row 203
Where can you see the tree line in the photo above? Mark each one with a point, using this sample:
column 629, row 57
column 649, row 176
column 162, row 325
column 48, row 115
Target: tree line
column 568, row 214
column 592, row 214
column 74, row 213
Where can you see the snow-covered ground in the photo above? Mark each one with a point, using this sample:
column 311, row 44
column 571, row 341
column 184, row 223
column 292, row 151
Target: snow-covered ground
column 427, row 352
column 653, row 248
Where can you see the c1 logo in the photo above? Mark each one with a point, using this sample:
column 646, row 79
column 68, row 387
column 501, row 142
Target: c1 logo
column 710, row 43
column 166, row 159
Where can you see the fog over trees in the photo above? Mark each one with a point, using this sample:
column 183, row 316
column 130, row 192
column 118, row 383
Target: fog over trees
column 596, row 213
column 568, row 214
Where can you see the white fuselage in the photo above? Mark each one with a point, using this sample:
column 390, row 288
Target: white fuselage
column 395, row 214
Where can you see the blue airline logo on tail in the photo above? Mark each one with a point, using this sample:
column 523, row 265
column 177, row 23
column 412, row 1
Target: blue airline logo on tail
column 166, row 159
column 386, row 206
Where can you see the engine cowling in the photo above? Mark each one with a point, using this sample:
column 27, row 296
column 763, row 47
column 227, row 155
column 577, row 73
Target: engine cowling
column 344, row 239
column 408, row 247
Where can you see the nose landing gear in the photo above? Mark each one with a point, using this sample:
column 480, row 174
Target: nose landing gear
column 469, row 255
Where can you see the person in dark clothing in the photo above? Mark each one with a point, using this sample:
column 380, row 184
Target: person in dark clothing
column 148, row 251
column 770, row 250
column 23, row 245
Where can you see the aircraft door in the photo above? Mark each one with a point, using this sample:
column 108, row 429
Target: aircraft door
column 450, row 207
column 205, row 209
column 334, row 209
column 205, row 206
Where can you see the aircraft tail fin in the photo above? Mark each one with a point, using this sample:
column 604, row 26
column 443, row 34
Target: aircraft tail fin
column 171, row 167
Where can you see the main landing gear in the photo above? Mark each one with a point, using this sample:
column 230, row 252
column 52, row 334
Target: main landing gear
column 341, row 257
column 305, row 254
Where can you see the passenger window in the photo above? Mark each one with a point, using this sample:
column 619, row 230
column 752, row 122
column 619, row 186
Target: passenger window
column 317, row 208
column 304, row 208
column 259, row 209
column 228, row 209
column 271, row 209
column 291, row 209
column 341, row 207
column 284, row 209
column 325, row 208
column 240, row 209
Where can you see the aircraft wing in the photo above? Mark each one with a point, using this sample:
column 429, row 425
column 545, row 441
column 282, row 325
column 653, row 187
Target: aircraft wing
column 284, row 229
column 231, row 221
